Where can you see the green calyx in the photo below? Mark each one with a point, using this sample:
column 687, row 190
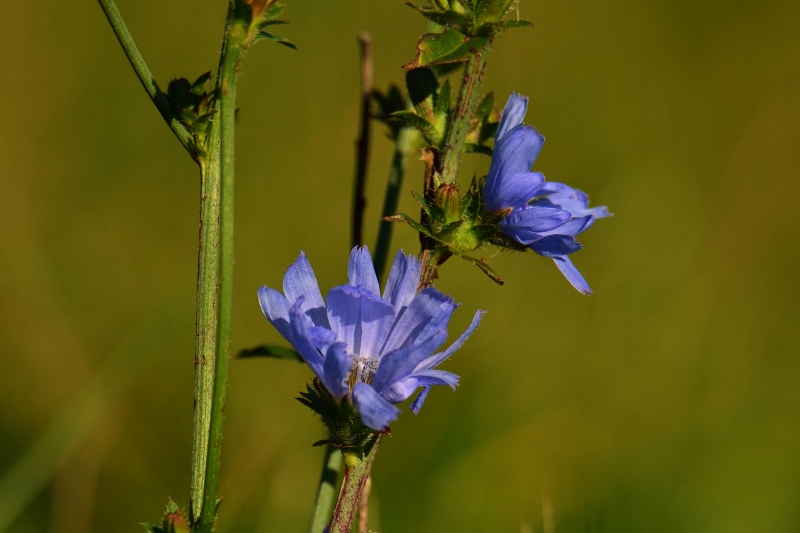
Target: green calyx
column 457, row 224
column 346, row 431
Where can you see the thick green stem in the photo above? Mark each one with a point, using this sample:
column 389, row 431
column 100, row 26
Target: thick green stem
column 144, row 75
column 326, row 494
column 206, row 320
column 402, row 147
column 232, row 50
column 356, row 471
column 468, row 96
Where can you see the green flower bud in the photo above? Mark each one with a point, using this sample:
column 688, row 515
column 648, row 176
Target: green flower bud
column 448, row 198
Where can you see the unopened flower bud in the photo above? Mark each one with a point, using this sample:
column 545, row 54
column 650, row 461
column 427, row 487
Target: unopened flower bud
column 175, row 522
column 447, row 197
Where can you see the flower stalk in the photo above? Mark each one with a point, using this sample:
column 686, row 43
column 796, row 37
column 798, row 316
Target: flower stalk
column 356, row 472
column 326, row 494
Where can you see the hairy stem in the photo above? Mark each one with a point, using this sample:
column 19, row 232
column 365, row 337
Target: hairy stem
column 356, row 472
column 468, row 96
column 402, row 147
column 143, row 73
column 326, row 494
column 206, row 319
column 233, row 48
column 362, row 145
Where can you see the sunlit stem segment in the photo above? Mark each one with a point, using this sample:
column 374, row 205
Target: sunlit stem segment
column 356, row 472
column 402, row 147
column 206, row 320
column 143, row 73
column 326, row 494
column 233, row 48
column 468, row 96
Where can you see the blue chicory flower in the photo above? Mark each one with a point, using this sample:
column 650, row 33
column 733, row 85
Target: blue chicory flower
column 545, row 216
column 375, row 349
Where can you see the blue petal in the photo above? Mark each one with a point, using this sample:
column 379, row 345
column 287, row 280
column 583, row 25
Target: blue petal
column 555, row 245
column 513, row 114
column 375, row 412
column 578, row 204
column 576, row 226
column 361, row 272
column 401, row 287
column 437, row 359
column 377, row 317
column 301, row 325
column 275, row 307
column 515, row 191
column 400, row 363
column 571, row 273
column 344, row 314
column 417, row 315
column 554, row 187
column 514, row 154
column 402, row 389
column 336, row 369
column 321, row 338
column 416, row 405
column 301, row 281
column 524, row 225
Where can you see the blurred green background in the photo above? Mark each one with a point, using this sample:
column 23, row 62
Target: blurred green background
column 667, row 401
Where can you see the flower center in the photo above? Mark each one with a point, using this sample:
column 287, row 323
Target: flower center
column 363, row 369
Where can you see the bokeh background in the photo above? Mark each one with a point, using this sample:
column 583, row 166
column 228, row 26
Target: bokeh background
column 667, row 401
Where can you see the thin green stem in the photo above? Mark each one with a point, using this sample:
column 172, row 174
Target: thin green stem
column 144, row 75
column 356, row 472
column 326, row 494
column 232, row 50
column 402, row 148
column 468, row 96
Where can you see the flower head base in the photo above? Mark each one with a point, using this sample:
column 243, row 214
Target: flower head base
column 369, row 350
column 544, row 216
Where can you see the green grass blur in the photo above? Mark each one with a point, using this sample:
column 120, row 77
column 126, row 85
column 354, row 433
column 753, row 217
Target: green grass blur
column 667, row 401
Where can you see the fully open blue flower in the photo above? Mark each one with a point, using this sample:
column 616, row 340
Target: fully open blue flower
column 545, row 216
column 374, row 349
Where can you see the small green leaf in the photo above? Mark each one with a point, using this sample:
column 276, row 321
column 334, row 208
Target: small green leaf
column 402, row 217
column 150, row 528
column 270, row 350
column 492, row 11
column 449, row 47
column 509, row 24
column 412, row 120
column 423, row 203
column 445, row 16
column 198, row 87
column 422, row 88
column 480, row 263
column 276, row 38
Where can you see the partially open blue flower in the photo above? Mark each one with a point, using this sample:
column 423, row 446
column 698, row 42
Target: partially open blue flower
column 374, row 349
column 545, row 216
